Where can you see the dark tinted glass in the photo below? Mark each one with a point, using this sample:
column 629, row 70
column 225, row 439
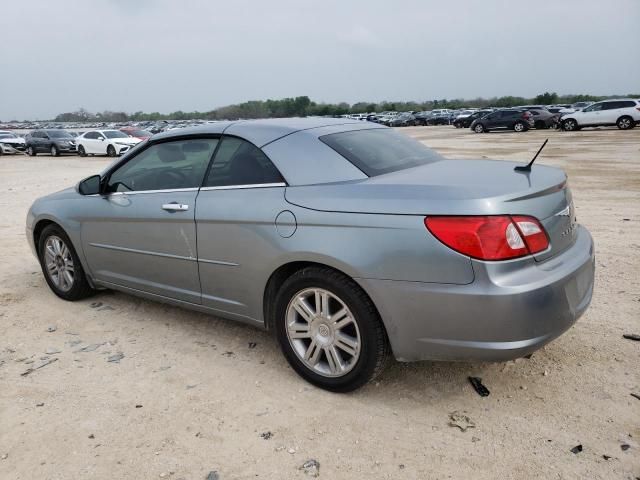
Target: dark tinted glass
column 91, row 135
column 165, row 166
column 238, row 162
column 58, row 134
column 380, row 150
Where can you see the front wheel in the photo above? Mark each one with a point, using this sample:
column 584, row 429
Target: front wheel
column 111, row 151
column 61, row 266
column 329, row 330
column 54, row 151
column 81, row 151
column 479, row 128
column 625, row 123
column 31, row 151
column 570, row 125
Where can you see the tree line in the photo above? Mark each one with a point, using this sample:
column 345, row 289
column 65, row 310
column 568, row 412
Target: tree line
column 303, row 106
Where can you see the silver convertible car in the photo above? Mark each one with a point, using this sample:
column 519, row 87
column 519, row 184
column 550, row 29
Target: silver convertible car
column 348, row 239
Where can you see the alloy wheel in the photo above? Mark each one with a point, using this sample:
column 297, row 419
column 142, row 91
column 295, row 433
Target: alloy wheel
column 323, row 332
column 59, row 263
column 624, row 123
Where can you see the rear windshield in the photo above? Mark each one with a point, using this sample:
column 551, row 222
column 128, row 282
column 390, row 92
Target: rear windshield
column 380, row 150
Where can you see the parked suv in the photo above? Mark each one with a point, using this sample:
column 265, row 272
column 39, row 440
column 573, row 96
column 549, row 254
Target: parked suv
column 505, row 119
column 625, row 113
column 53, row 141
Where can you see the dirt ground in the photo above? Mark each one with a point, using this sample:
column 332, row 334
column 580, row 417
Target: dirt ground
column 193, row 394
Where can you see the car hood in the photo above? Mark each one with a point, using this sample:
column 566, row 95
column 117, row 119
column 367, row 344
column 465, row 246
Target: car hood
column 446, row 187
column 17, row 141
column 128, row 140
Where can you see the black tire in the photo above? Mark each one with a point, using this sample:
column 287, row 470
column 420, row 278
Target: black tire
column 54, row 151
column 80, row 287
column 625, row 123
column 111, row 151
column 374, row 343
column 570, row 125
column 31, row 151
column 81, row 151
column 479, row 128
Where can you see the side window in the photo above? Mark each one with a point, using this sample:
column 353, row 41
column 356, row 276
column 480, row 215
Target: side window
column 91, row 135
column 239, row 162
column 165, row 166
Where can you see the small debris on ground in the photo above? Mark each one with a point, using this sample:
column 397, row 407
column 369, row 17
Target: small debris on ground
column 43, row 364
column 138, row 406
column 51, row 328
column 95, row 304
column 115, row 358
column 632, row 336
column 577, row 449
column 476, row 382
column 460, row 420
column 606, row 457
column 51, row 351
column 228, row 354
column 5, row 456
column 635, row 395
column 213, row 475
column 41, row 404
column 92, row 436
column 624, row 447
column 311, row 467
column 252, row 345
column 266, row 435
column 89, row 348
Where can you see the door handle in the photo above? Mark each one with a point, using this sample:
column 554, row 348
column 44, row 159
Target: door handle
column 175, row 207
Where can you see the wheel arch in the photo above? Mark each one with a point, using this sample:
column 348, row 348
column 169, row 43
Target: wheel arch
column 284, row 271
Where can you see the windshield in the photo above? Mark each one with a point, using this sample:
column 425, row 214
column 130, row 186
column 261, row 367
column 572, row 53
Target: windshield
column 380, row 150
column 58, row 134
column 114, row 134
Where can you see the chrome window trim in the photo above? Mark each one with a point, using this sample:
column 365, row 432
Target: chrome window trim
column 240, row 187
column 168, row 190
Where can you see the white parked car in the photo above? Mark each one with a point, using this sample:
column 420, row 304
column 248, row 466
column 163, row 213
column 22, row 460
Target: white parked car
column 105, row 142
column 10, row 143
column 624, row 112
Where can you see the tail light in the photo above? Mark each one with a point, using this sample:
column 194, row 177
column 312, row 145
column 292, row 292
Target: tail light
column 499, row 237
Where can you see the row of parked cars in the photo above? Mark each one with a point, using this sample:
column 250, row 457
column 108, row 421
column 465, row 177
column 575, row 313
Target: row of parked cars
column 56, row 141
column 623, row 113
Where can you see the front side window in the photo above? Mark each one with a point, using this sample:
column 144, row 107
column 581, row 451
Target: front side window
column 380, row 150
column 596, row 107
column 165, row 166
column 239, row 162
column 91, row 135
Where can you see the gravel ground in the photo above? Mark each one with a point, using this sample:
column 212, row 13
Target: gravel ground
column 195, row 394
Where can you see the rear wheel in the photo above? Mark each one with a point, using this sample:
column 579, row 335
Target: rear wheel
column 329, row 330
column 81, row 151
column 519, row 127
column 54, row 151
column 111, row 151
column 625, row 123
column 479, row 128
column 61, row 266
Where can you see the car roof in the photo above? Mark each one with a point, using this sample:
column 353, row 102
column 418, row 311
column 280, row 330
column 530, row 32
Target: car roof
column 259, row 132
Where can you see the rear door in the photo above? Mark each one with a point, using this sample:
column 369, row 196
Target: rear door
column 142, row 233
column 236, row 212
column 89, row 142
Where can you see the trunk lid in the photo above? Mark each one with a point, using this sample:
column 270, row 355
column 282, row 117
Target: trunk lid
column 455, row 187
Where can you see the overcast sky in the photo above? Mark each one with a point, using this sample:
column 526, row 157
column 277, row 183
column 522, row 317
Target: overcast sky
column 167, row 55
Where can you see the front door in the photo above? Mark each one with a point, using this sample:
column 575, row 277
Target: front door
column 142, row 232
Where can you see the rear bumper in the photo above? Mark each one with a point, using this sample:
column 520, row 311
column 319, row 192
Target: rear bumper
column 510, row 310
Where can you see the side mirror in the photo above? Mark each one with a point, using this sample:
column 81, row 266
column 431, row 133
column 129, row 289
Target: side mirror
column 90, row 185
column 101, row 139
